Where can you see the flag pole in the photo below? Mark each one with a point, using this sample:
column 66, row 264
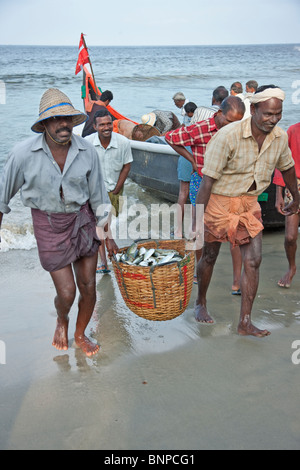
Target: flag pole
column 84, row 43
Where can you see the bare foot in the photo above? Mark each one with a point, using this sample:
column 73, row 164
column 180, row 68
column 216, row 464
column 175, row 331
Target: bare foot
column 235, row 287
column 286, row 280
column 87, row 346
column 60, row 339
column 201, row 314
column 248, row 329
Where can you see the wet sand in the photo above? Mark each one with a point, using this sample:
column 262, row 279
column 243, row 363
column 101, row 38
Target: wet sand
column 154, row 385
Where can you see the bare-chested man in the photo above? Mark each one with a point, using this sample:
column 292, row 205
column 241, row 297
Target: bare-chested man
column 60, row 178
column 238, row 166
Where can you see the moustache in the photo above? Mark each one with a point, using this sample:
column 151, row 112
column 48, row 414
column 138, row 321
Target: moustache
column 62, row 129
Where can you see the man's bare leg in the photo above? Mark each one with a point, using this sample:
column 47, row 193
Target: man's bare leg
column 65, row 295
column 85, row 269
column 251, row 254
column 205, row 269
column 290, row 245
column 237, row 267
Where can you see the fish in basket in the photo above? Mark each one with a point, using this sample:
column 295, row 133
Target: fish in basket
column 155, row 278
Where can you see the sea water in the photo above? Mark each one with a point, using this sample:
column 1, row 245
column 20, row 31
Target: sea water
column 142, row 79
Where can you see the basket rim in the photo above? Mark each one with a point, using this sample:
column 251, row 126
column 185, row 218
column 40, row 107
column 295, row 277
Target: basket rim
column 181, row 271
column 186, row 254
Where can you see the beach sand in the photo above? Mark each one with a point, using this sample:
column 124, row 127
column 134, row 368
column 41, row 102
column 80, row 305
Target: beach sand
column 154, row 385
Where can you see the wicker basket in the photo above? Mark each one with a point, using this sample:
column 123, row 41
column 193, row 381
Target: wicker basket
column 160, row 292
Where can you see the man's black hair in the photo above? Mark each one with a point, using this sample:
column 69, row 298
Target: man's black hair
column 101, row 113
column 220, row 93
column 106, row 95
column 190, row 107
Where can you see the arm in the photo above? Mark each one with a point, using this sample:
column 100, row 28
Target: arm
column 290, row 180
column 279, row 201
column 122, row 178
column 184, row 153
column 205, row 190
column 179, row 140
column 104, row 234
column 203, row 196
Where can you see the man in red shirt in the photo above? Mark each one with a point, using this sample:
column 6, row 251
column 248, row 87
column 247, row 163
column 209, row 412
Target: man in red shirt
column 291, row 221
column 199, row 134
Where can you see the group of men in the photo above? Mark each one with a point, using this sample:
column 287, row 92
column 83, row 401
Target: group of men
column 70, row 184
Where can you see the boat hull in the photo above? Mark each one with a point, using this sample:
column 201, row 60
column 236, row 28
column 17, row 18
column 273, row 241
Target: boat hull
column 154, row 167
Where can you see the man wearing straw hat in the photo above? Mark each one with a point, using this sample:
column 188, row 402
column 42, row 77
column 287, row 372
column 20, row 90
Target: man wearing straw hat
column 61, row 181
column 238, row 166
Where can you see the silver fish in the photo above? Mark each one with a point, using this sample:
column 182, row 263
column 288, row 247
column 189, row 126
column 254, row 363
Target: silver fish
column 166, row 258
column 149, row 253
column 138, row 260
column 144, row 263
column 164, row 252
column 132, row 251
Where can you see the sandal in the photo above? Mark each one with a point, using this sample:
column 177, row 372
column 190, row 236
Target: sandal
column 102, row 269
column 236, row 292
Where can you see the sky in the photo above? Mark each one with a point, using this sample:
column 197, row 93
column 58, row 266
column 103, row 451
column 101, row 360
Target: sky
column 155, row 22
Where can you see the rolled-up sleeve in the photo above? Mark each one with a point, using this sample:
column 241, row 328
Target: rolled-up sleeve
column 11, row 180
column 216, row 156
column 182, row 136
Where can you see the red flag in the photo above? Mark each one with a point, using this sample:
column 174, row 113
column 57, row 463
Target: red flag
column 83, row 55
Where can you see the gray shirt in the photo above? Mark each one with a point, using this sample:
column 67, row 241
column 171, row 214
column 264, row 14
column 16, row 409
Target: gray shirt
column 32, row 169
column 166, row 121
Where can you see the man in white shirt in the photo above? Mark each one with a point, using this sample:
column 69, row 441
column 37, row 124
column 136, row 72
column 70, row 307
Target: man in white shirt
column 180, row 101
column 236, row 89
column 115, row 158
column 205, row 112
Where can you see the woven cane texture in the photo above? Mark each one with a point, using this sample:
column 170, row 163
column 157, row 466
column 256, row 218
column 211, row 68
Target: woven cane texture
column 55, row 103
column 160, row 292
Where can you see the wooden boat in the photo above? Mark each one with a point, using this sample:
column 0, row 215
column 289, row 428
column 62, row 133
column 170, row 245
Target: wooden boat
column 154, row 166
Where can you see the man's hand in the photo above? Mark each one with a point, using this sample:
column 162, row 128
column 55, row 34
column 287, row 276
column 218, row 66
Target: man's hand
column 111, row 246
column 291, row 209
column 279, row 202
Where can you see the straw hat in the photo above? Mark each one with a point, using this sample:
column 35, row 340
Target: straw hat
column 149, row 119
column 54, row 103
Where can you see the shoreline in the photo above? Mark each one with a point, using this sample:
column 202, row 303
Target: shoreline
column 153, row 385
